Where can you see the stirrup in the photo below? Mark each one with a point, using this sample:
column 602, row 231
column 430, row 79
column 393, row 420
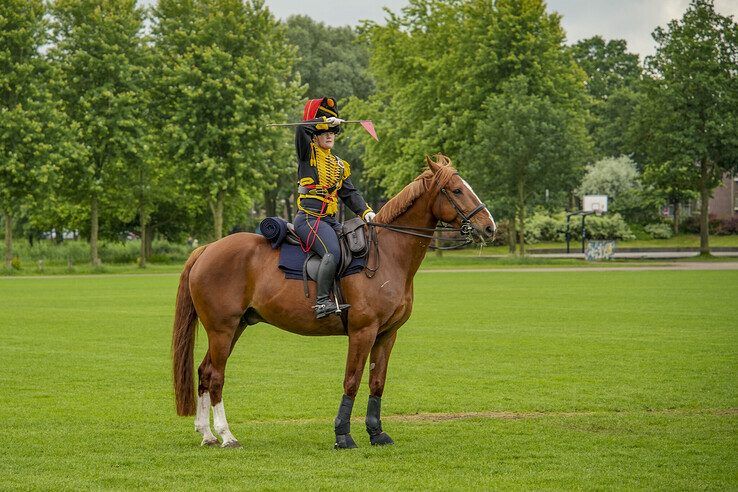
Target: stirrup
column 329, row 307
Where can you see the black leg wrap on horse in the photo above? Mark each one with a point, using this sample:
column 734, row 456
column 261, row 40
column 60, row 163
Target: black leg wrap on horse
column 342, row 424
column 374, row 423
column 343, row 419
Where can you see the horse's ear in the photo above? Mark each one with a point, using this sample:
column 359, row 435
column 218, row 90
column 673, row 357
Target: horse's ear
column 432, row 165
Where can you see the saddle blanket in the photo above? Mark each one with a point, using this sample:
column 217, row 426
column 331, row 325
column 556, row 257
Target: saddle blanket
column 292, row 258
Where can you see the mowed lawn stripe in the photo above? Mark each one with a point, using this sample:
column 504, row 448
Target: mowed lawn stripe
column 634, row 373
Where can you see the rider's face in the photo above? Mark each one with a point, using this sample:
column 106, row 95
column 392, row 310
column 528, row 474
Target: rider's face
column 326, row 140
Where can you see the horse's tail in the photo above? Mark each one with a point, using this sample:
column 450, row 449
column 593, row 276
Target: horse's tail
column 183, row 341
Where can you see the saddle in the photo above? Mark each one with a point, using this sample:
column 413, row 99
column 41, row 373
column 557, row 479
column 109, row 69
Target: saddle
column 352, row 240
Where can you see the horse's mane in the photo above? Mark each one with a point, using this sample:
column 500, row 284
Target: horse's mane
column 402, row 201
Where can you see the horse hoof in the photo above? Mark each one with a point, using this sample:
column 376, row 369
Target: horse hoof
column 344, row 441
column 209, row 442
column 231, row 444
column 381, row 439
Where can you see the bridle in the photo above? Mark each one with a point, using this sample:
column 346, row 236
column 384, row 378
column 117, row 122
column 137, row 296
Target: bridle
column 466, row 230
column 466, row 227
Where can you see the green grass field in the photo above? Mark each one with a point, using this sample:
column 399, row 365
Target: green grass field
column 562, row 380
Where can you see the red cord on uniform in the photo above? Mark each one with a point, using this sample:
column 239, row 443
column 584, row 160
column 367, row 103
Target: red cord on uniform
column 313, row 231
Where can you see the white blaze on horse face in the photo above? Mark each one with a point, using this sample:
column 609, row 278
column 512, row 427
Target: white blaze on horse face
column 480, row 201
column 202, row 419
column 221, row 425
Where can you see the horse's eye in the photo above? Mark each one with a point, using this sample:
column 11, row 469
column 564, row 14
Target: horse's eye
column 457, row 191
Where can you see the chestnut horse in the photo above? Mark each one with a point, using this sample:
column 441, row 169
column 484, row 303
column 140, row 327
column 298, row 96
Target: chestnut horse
column 234, row 282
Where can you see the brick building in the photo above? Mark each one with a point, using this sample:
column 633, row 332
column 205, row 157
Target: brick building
column 724, row 201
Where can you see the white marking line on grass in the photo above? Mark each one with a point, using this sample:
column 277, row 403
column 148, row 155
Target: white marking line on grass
column 694, row 266
column 90, row 275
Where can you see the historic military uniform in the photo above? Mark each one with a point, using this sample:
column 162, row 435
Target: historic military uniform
column 323, row 178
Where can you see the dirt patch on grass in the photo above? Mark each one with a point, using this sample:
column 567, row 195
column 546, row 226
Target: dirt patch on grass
column 440, row 417
column 450, row 416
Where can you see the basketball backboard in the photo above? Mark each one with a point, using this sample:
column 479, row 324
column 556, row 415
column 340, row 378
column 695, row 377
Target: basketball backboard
column 595, row 203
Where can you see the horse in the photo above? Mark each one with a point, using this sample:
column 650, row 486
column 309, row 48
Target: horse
column 234, row 283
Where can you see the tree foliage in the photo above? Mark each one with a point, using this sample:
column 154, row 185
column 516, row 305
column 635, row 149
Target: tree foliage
column 332, row 61
column 612, row 176
column 613, row 84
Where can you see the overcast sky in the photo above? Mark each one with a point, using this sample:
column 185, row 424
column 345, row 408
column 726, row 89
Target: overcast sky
column 632, row 20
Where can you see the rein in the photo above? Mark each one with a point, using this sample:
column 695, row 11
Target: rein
column 465, row 230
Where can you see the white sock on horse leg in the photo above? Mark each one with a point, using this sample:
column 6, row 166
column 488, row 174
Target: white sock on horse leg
column 221, row 424
column 202, row 418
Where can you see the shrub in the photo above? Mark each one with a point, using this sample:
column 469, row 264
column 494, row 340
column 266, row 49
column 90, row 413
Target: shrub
column 659, row 231
column 542, row 227
column 78, row 252
column 718, row 227
column 502, row 234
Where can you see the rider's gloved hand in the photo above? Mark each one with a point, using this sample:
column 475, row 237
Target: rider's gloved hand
column 369, row 217
column 333, row 121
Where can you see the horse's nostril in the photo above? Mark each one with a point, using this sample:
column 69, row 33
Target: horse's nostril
column 489, row 231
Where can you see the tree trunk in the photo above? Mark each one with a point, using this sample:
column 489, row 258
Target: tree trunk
column 216, row 207
column 8, row 240
column 677, row 214
column 288, row 208
column 704, row 218
column 512, row 235
column 144, row 220
column 270, row 202
column 149, row 243
column 94, row 224
column 521, row 215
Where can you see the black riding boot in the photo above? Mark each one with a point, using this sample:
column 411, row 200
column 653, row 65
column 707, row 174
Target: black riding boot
column 324, row 304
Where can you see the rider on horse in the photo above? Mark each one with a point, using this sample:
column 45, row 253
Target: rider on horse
column 323, row 178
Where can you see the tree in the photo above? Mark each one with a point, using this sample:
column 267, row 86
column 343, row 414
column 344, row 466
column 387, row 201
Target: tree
column 30, row 123
column 671, row 183
column 536, row 146
column 608, row 65
column 692, row 102
column 529, row 122
column 99, row 52
column 613, row 84
column 610, row 176
column 226, row 74
column 443, row 68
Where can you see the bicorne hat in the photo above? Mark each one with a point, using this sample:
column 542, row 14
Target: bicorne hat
column 318, row 108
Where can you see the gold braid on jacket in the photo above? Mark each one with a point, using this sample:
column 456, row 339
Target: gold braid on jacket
column 331, row 171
